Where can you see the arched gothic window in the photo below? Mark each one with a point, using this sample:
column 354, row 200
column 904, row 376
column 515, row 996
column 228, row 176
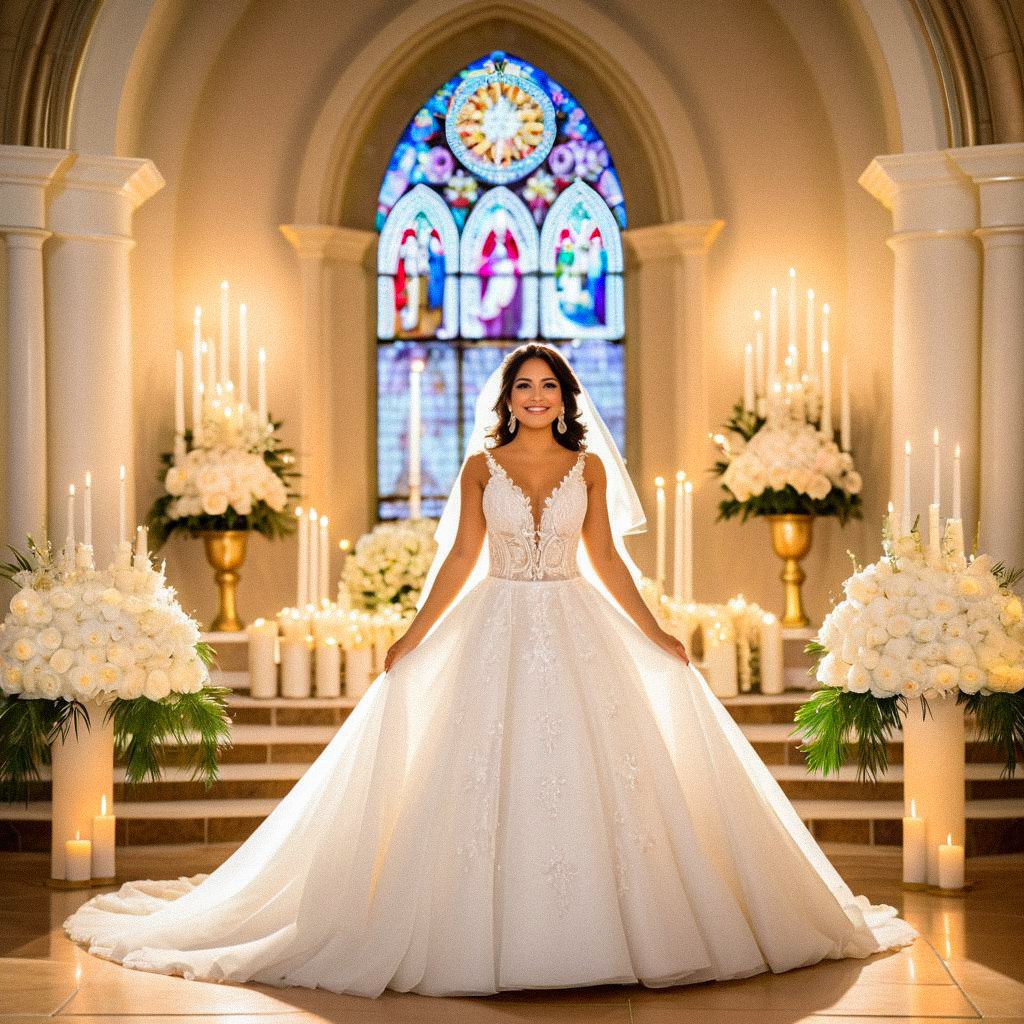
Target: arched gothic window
column 500, row 219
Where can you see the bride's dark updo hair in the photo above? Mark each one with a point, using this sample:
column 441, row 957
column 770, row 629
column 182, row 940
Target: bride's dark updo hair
column 575, row 431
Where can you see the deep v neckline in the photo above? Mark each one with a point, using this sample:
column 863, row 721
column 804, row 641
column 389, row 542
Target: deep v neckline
column 538, row 526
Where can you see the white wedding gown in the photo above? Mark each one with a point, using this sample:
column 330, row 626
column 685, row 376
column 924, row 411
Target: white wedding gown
column 536, row 796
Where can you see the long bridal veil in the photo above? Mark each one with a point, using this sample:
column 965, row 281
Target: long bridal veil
column 625, row 513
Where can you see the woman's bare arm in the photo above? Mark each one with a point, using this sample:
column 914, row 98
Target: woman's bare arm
column 597, row 536
column 465, row 550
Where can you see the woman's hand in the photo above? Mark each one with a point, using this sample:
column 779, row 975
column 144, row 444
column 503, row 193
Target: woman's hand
column 399, row 649
column 673, row 645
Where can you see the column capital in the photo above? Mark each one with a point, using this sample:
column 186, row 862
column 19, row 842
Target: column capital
column 25, row 174
column 329, row 242
column 97, row 195
column 670, row 241
column 998, row 172
column 925, row 192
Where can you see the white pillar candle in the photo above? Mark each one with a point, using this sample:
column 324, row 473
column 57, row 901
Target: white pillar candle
column 328, row 668
column 759, row 367
column 826, row 391
column 810, row 331
column 262, row 645
column 772, row 675
column 314, row 560
column 179, row 394
column 71, row 519
column 773, row 334
column 720, row 665
column 302, row 593
column 936, row 469
column 915, row 848
column 748, row 378
column 659, row 485
column 87, row 511
column 956, row 483
column 325, row 560
column 261, row 386
column 243, row 354
column 844, row 407
column 358, row 666
column 905, row 522
column 292, row 623
column 78, row 859
column 791, row 339
column 296, row 667
column 104, row 838
column 951, row 864
column 141, row 546
column 677, row 539
column 225, row 334
column 688, row 541
column 122, row 506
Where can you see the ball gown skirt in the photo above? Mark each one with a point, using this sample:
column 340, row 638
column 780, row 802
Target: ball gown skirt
column 536, row 796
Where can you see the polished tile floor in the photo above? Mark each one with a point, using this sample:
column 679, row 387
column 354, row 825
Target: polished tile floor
column 969, row 963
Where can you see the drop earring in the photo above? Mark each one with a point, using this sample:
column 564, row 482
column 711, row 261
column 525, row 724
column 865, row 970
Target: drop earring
column 512, row 421
column 561, row 421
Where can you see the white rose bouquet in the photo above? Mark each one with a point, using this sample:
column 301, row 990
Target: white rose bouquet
column 916, row 623
column 783, row 466
column 232, row 474
column 389, row 564
column 117, row 637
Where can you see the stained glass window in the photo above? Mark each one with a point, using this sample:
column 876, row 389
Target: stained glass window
column 500, row 216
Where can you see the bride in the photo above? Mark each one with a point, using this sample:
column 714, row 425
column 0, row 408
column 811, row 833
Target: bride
column 539, row 791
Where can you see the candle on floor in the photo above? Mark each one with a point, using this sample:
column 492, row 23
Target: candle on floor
column 262, row 667
column 78, row 859
column 302, row 595
column 659, row 485
column 328, row 668
column 104, row 831
column 905, row 511
column 772, row 674
column 296, row 667
column 951, row 865
column 719, row 665
column 915, row 848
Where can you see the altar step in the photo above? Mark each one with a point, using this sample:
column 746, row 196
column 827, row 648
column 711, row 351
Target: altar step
column 274, row 742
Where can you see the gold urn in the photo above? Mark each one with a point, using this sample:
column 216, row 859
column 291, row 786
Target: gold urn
column 225, row 551
column 791, row 540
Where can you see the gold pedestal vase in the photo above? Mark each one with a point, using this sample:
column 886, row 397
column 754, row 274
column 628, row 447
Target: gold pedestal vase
column 225, row 551
column 791, row 540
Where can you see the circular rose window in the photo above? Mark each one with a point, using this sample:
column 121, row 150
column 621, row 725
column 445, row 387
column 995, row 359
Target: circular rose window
column 500, row 125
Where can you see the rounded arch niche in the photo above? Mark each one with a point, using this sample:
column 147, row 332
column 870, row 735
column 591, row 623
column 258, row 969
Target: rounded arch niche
column 667, row 190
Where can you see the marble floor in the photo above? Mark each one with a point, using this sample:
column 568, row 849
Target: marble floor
column 968, row 963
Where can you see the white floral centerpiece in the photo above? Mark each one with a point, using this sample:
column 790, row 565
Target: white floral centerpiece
column 116, row 637
column 780, row 465
column 920, row 622
column 389, row 564
column 232, row 473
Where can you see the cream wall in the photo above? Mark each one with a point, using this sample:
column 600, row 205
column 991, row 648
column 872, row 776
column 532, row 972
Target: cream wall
column 787, row 111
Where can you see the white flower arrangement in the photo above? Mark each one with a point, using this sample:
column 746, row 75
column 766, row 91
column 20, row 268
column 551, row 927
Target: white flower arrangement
column 76, row 633
column 209, row 480
column 914, row 625
column 389, row 564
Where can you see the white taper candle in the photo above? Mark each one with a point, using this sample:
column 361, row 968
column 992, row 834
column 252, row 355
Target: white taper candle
column 759, row 368
column 826, row 391
column 303, row 566
column 122, row 506
column 314, row 560
column 225, row 334
column 936, row 469
column 905, row 511
column 677, row 538
column 688, row 542
column 87, row 513
column 810, row 331
column 748, row 377
column 325, row 559
column 243, row 354
column 773, row 334
column 71, row 519
column 197, row 371
column 659, row 486
column 956, row 482
column 791, row 339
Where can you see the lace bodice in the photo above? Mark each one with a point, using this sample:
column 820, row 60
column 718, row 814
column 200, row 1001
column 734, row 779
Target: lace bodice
column 516, row 548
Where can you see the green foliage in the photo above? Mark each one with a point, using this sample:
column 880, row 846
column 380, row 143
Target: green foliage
column 27, row 728
column 1000, row 721
column 834, row 718
column 197, row 722
column 1008, row 578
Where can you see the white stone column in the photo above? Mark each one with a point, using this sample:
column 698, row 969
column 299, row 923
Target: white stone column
column 936, row 321
column 666, row 371
column 25, row 174
column 338, row 373
column 998, row 174
column 89, row 350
